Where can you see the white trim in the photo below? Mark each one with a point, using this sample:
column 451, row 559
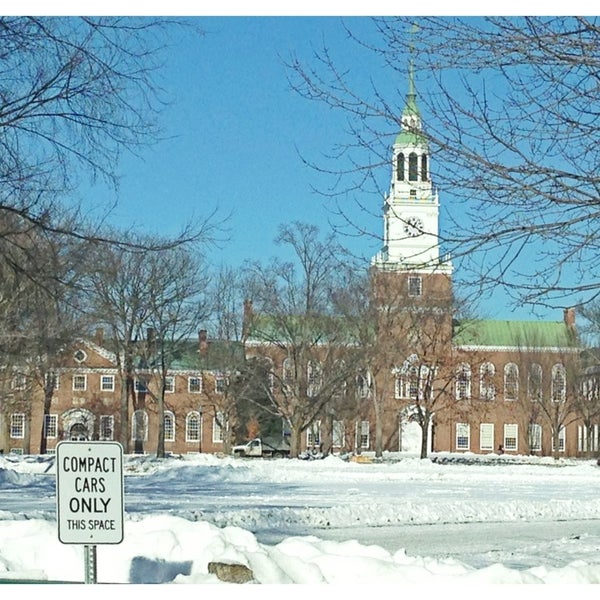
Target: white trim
column 553, row 349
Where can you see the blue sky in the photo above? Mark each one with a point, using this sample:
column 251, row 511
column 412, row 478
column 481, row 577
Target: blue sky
column 234, row 131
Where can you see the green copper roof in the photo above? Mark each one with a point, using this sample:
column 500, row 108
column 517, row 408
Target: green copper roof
column 531, row 334
column 410, row 138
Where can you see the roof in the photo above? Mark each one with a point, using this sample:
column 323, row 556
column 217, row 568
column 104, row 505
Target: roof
column 515, row 334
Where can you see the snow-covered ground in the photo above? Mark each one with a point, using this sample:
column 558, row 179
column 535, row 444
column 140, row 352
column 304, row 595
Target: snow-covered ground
column 447, row 520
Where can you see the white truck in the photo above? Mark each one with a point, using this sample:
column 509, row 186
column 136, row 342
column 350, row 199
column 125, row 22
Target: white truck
column 267, row 448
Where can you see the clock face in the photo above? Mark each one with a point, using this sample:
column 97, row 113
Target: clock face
column 413, row 227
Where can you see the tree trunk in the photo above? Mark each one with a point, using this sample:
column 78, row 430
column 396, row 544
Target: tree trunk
column 48, row 394
column 424, row 437
column 124, row 413
column 378, row 427
column 295, row 439
column 160, row 415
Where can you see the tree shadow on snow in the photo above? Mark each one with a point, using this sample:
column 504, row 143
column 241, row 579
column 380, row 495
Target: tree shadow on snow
column 148, row 570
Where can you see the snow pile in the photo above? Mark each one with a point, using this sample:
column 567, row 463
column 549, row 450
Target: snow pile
column 186, row 512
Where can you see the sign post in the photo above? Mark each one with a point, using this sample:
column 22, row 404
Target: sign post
column 89, row 491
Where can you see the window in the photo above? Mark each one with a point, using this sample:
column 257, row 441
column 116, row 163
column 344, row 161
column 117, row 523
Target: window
column 487, row 389
column 363, row 385
column 363, row 438
column 407, row 385
column 192, row 427
column 107, row 383
column 195, row 385
column 169, row 384
column 313, row 376
column 338, row 434
column 17, row 426
column 220, row 383
column 559, row 383
column 486, row 436
column 511, row 436
column 463, row 431
column 511, row 381
column 107, row 427
column 313, row 434
column 534, row 383
column 218, row 427
column 424, row 174
column 463, row 382
column 79, row 356
column 169, row 426
column 415, row 286
column 50, row 426
column 139, row 426
column 400, row 167
column 587, row 439
column 413, row 166
column 52, row 380
column 535, row 437
column 141, row 385
column 79, row 383
column 288, row 371
column 561, row 439
column 19, row 381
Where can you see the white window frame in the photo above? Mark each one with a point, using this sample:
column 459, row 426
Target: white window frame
column 559, row 375
column 535, row 371
column 103, row 428
column 584, row 443
column 50, row 427
column 486, row 437
column 463, row 437
column 314, row 375
column 220, row 383
column 364, row 435
column 511, row 432
column 562, row 439
column 170, row 430
column 17, row 426
column 79, row 377
column 193, row 434
column 363, row 385
column 138, row 415
column 338, row 434
column 535, row 437
column 463, row 382
column 169, row 384
column 218, row 431
column 107, row 383
column 195, row 384
column 140, row 385
column 511, row 379
column 487, row 387
column 56, row 379
column 313, row 434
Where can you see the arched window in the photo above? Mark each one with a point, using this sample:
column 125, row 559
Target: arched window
column 139, row 426
column 534, row 383
column 288, row 371
column 400, row 167
column 192, row 427
column 487, row 388
column 463, row 382
column 511, row 381
column 413, row 167
column 313, row 378
column 169, row 425
column 559, row 383
column 424, row 174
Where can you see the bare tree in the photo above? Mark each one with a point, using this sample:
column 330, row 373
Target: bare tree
column 294, row 323
column 509, row 105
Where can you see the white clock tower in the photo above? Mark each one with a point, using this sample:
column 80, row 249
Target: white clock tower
column 411, row 209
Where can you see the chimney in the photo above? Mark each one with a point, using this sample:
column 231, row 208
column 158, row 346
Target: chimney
column 203, row 342
column 569, row 318
column 99, row 336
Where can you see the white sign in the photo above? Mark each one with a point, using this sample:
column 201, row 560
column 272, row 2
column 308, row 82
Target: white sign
column 89, row 491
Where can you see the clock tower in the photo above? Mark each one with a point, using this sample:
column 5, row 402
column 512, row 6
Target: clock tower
column 411, row 208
